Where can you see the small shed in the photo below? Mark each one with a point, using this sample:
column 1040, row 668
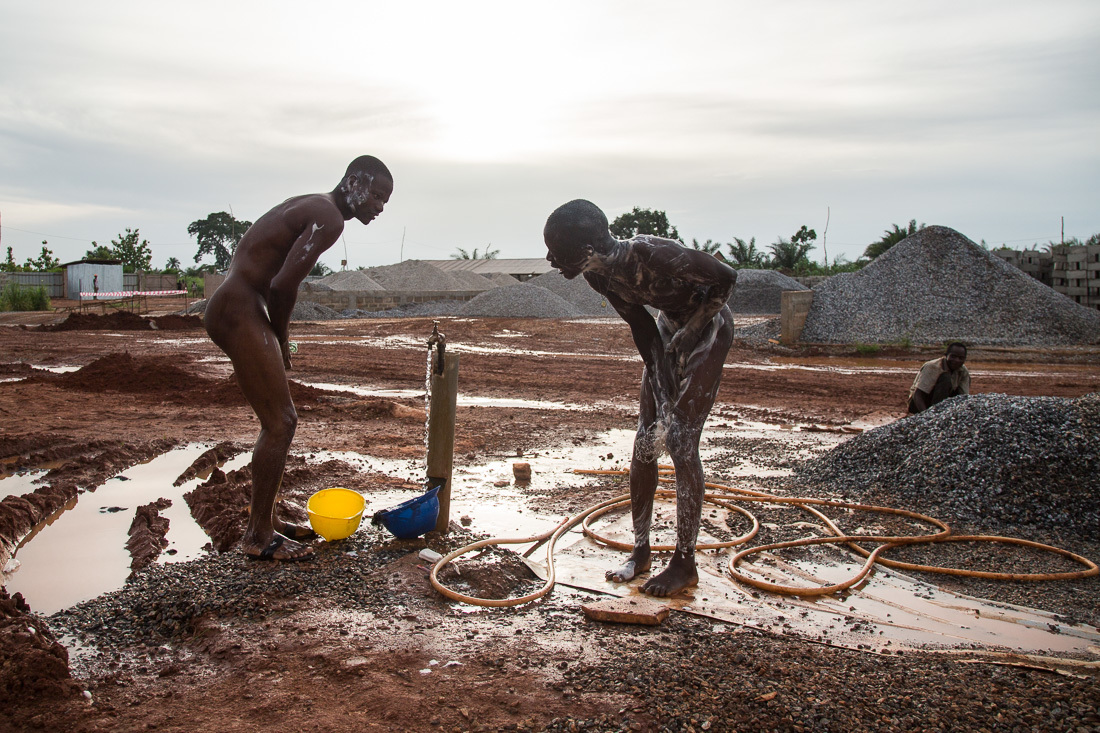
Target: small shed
column 92, row 275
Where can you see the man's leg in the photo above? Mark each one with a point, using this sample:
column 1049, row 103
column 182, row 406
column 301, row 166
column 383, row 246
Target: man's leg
column 941, row 390
column 242, row 330
column 643, row 486
column 699, row 385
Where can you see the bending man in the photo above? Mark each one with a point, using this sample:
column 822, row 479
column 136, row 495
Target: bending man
column 248, row 316
column 683, row 350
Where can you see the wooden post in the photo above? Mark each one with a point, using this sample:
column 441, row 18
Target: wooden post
column 441, row 434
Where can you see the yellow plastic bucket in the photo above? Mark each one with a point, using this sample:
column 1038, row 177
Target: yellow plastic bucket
column 335, row 513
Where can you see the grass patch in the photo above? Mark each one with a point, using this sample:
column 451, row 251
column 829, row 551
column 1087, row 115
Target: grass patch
column 15, row 298
column 867, row 349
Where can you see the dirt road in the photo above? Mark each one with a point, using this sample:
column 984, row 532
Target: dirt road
column 357, row 639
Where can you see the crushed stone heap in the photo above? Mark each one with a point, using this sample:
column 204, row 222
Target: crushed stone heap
column 761, row 291
column 993, row 461
column 937, row 286
column 577, row 292
column 348, row 280
column 412, row 275
column 522, row 300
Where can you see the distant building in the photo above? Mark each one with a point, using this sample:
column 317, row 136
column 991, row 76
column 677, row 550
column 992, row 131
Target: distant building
column 521, row 269
column 1073, row 271
column 91, row 275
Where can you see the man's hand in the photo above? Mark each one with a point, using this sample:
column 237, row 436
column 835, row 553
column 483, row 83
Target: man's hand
column 284, row 345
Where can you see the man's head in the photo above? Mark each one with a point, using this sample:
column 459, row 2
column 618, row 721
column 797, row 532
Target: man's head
column 955, row 355
column 573, row 233
column 366, row 188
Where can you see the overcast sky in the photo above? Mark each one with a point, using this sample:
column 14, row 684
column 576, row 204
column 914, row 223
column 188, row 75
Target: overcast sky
column 737, row 119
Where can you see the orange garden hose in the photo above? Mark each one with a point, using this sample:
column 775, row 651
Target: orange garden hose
column 872, row 557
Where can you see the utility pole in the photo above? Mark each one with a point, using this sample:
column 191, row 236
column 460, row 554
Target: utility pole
column 824, row 236
column 401, row 256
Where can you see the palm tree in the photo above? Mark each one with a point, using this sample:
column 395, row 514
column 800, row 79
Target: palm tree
column 890, row 238
column 746, row 254
column 173, row 265
column 788, row 254
column 489, row 254
column 709, row 247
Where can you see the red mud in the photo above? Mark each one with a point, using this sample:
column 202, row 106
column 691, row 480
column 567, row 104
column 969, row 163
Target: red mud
column 148, row 534
column 124, row 321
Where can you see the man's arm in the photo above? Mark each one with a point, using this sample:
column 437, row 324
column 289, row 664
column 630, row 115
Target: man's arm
column 698, row 268
column 320, row 227
column 647, row 339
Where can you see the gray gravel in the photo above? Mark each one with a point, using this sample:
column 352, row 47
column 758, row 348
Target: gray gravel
column 1016, row 465
column 577, row 292
column 938, row 286
column 761, row 291
column 351, row 280
column 522, row 300
column 414, row 275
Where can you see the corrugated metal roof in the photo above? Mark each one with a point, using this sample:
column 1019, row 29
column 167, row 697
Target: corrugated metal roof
column 529, row 266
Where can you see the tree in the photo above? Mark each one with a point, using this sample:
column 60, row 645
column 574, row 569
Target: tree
column 890, row 238
column 789, row 254
column 9, row 263
column 45, row 261
column 746, row 254
column 709, row 247
column 218, row 235
column 172, row 265
column 643, row 221
column 488, row 254
column 320, row 270
column 135, row 256
column 100, row 252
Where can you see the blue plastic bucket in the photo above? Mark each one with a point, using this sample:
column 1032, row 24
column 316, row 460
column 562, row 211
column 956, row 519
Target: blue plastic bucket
column 411, row 518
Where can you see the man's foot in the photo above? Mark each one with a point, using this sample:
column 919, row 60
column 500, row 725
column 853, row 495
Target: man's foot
column 296, row 532
column 637, row 564
column 280, row 549
column 679, row 574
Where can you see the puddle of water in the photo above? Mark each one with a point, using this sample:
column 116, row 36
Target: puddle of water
column 463, row 400
column 80, row 552
column 19, row 483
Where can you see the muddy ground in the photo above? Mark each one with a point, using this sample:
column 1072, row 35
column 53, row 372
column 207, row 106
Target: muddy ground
column 357, row 639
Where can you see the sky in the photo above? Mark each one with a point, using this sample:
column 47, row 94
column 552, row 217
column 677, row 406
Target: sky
column 738, row 119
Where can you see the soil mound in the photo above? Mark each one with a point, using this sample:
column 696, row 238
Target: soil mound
column 121, row 372
column 34, row 665
column 148, row 534
column 938, row 286
column 577, row 292
column 761, row 291
column 993, row 460
column 519, row 301
column 124, row 321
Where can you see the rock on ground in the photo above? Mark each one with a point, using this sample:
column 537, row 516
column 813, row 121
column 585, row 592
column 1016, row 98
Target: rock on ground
column 522, row 300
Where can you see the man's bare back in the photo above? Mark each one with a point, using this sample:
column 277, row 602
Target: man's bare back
column 248, row 316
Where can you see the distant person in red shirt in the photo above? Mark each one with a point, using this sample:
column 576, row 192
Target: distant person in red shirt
column 939, row 379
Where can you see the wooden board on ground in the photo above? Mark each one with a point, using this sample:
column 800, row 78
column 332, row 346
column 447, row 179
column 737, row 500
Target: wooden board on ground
column 627, row 611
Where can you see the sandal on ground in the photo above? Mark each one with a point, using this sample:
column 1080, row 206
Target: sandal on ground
column 268, row 553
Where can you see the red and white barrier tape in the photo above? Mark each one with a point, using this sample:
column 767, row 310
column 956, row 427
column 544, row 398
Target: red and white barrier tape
column 128, row 293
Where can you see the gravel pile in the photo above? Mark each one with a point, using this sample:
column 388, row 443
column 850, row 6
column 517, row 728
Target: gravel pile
column 577, row 292
column 760, row 291
column 411, row 310
column 414, row 275
column 348, row 280
column 522, row 300
column 307, row 311
column 995, row 461
column 471, row 280
column 938, row 286
column 500, row 278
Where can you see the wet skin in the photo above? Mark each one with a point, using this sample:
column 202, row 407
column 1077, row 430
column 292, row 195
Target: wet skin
column 953, row 359
column 683, row 351
column 248, row 317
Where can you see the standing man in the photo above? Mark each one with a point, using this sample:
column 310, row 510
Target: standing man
column 683, row 350
column 248, row 316
column 939, row 379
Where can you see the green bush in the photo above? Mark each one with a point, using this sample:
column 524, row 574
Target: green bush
column 867, row 349
column 15, row 298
